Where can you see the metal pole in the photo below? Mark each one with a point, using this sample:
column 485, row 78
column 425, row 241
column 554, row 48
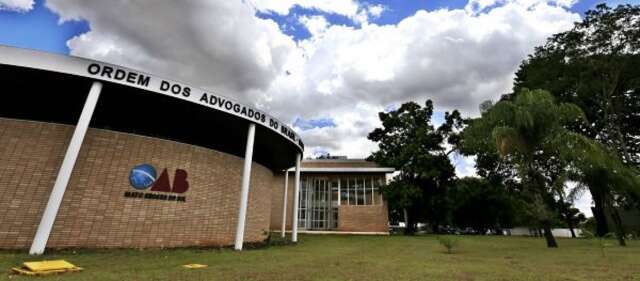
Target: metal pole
column 284, row 204
column 64, row 174
column 244, row 193
column 294, row 227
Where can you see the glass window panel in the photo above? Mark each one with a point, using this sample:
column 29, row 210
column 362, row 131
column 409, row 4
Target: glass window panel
column 344, row 193
column 334, row 192
column 360, row 191
column 352, row 191
column 368, row 191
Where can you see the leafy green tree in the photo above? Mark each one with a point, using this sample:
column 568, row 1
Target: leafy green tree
column 595, row 66
column 410, row 143
column 527, row 132
column 481, row 205
column 571, row 216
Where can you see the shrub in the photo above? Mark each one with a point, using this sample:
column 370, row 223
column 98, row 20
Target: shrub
column 448, row 242
column 601, row 242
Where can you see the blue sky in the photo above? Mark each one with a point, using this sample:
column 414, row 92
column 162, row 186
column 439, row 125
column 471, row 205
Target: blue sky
column 396, row 10
column 40, row 29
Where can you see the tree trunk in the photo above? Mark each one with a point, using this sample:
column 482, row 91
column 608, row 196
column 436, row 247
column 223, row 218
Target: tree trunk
column 617, row 221
column 409, row 228
column 573, row 233
column 551, row 241
column 602, row 228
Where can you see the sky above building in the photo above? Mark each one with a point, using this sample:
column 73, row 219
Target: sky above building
column 325, row 66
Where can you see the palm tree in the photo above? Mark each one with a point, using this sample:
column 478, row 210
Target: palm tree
column 530, row 131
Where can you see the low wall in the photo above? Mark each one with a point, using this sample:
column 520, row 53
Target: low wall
column 368, row 218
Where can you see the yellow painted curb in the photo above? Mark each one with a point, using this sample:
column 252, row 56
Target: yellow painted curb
column 194, row 266
column 46, row 267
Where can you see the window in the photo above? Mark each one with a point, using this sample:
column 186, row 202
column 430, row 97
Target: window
column 316, row 204
column 334, row 193
column 344, row 194
column 352, row 192
column 359, row 188
column 368, row 191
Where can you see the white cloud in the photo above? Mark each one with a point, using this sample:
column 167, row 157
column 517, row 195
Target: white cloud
column 454, row 57
column 458, row 58
column 219, row 45
column 583, row 200
column 375, row 11
column 315, row 24
column 477, row 6
column 17, row 5
column 347, row 8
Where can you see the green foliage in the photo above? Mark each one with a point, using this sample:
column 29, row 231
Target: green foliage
column 601, row 242
column 410, row 143
column 594, row 65
column 449, row 242
column 482, row 205
column 529, row 132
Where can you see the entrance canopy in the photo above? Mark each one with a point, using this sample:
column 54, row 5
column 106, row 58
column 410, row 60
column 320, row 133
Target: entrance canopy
column 52, row 88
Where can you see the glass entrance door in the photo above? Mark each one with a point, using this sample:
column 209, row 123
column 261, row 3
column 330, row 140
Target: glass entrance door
column 318, row 209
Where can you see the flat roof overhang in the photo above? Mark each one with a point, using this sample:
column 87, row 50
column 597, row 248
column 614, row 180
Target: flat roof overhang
column 52, row 88
column 345, row 170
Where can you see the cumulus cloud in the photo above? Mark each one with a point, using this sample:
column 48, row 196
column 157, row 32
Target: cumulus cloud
column 17, row 5
column 220, row 45
column 347, row 8
column 315, row 24
column 456, row 57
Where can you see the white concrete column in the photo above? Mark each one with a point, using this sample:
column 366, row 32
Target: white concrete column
column 296, row 197
column 244, row 192
column 284, row 204
column 64, row 174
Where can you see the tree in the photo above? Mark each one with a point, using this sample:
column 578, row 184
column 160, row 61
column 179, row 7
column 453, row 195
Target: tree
column 409, row 142
column 481, row 205
column 528, row 132
column 595, row 66
column 570, row 216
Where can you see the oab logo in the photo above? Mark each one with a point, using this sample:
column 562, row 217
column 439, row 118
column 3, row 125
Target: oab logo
column 144, row 176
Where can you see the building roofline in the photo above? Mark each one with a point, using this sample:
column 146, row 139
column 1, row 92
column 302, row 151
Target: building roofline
column 345, row 170
column 333, row 160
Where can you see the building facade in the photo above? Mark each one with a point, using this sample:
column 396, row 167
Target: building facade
column 336, row 195
column 95, row 155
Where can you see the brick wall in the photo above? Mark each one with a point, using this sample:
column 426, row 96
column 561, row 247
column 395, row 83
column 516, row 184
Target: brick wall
column 276, row 201
column 94, row 211
column 373, row 218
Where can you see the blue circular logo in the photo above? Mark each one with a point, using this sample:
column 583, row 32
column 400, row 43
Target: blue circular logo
column 142, row 176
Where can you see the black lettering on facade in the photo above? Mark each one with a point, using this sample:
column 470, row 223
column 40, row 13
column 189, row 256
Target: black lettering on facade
column 204, row 98
column 119, row 75
column 164, row 85
column 143, row 80
column 131, row 77
column 106, row 71
column 93, row 69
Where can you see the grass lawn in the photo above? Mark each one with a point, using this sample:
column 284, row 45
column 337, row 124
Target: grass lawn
column 358, row 258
